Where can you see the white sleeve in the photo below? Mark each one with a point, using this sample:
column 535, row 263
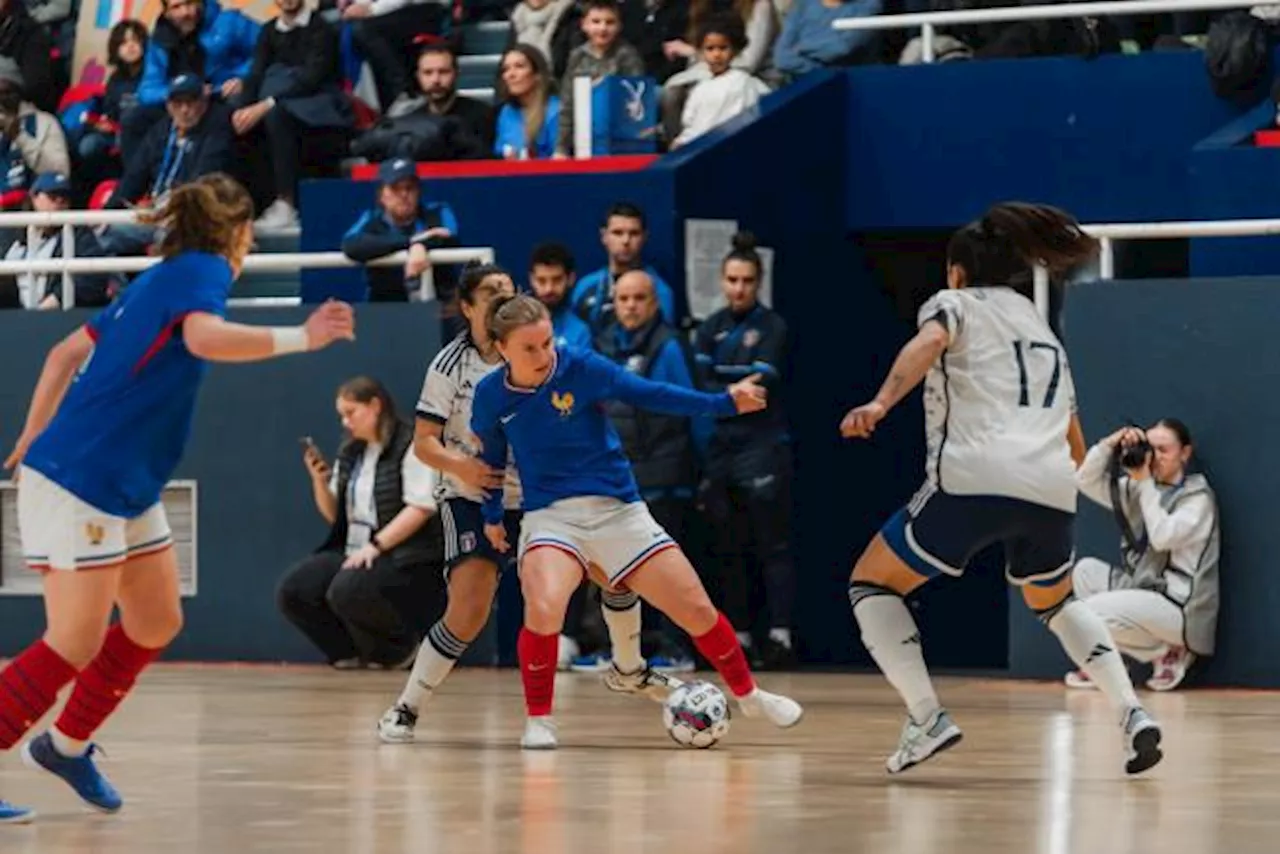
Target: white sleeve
column 438, row 389
column 333, row 480
column 1191, row 522
column 947, row 308
column 762, row 27
column 418, row 482
column 1093, row 478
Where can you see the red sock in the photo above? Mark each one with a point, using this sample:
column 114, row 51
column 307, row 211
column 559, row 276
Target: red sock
column 720, row 647
column 28, row 688
column 104, row 684
column 538, row 670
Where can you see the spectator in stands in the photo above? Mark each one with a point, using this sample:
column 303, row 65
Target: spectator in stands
column 294, row 91
column 58, row 20
column 50, row 192
column 385, row 31
column 747, row 480
column 191, row 37
column 651, row 25
column 551, row 278
column 26, row 44
column 194, row 140
column 810, row 41
column 399, row 222
column 95, row 144
column 728, row 91
column 360, row 596
column 31, row 140
column 623, row 234
column 537, row 22
column 660, row 447
column 602, row 55
column 530, row 114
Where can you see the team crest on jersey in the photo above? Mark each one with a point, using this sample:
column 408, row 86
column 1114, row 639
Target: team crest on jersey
column 467, row 542
column 563, row 403
column 751, row 338
column 635, row 363
column 95, row 533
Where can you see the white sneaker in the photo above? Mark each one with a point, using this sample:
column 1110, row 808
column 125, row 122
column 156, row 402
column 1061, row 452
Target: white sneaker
column 778, row 710
column 539, row 734
column 1142, row 741
column 279, row 216
column 1079, row 680
column 1171, row 669
column 396, row 726
column 921, row 741
column 646, row 681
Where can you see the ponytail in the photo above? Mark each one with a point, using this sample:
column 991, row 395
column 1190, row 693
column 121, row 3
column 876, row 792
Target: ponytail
column 204, row 215
column 1012, row 237
column 744, row 249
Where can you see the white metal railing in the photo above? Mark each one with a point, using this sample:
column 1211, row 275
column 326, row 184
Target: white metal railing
column 68, row 264
column 927, row 22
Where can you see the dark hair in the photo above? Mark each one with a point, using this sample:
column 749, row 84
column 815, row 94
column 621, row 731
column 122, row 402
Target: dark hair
column 507, row 314
column 744, row 249
column 608, row 5
column 1001, row 247
column 124, row 28
column 364, row 389
column 535, row 116
column 628, row 210
column 1178, row 428
column 204, row 215
column 723, row 25
column 472, row 276
column 442, row 48
column 552, row 255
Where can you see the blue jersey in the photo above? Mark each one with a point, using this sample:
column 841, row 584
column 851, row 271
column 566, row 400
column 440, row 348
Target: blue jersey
column 122, row 427
column 564, row 444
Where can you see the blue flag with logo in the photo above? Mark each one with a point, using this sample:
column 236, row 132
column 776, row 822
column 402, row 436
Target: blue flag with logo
column 624, row 116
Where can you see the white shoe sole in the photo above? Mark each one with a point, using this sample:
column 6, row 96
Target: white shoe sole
column 950, row 737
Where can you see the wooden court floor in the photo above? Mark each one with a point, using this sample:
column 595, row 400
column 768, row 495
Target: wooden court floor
column 232, row 760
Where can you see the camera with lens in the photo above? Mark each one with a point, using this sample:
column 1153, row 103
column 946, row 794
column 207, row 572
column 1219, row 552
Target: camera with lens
column 1135, row 455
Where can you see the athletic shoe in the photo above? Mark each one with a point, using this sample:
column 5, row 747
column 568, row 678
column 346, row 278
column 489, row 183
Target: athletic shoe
column 1079, row 680
column 778, row 710
column 593, row 663
column 10, row 814
column 921, row 741
column 1171, row 669
column 646, row 681
column 396, row 726
column 539, row 734
column 78, row 772
column 1142, row 741
column 347, row 664
column 672, row 664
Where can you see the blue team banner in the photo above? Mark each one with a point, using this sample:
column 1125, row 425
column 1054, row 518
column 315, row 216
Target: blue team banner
column 624, row 113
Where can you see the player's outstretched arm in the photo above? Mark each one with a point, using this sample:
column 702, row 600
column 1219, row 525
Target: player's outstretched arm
column 59, row 370
column 214, row 339
column 617, row 383
column 913, row 362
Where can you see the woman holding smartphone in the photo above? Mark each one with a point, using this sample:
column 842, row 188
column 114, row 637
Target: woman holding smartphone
column 381, row 557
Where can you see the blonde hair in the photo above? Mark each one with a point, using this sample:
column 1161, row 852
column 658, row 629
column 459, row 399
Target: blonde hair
column 205, row 215
column 508, row 314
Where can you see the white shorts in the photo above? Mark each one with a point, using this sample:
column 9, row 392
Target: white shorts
column 613, row 535
column 59, row 531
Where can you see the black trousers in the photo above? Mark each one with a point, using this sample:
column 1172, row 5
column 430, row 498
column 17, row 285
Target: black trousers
column 746, row 493
column 387, row 43
column 296, row 151
column 376, row 615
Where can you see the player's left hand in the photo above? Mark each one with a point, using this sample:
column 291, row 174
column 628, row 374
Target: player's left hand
column 860, row 422
column 748, row 395
column 497, row 536
column 362, row 558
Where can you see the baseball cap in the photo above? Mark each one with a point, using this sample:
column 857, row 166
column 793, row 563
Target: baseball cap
column 53, row 183
column 186, row 85
column 395, row 170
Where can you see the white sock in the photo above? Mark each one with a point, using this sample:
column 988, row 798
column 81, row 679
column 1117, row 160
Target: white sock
column 781, row 636
column 66, row 745
column 1085, row 638
column 890, row 635
column 622, row 618
column 436, row 658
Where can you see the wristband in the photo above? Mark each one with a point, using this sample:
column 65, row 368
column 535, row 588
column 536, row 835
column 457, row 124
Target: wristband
column 288, row 339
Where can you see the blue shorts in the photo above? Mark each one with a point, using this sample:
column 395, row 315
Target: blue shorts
column 938, row 534
column 464, row 539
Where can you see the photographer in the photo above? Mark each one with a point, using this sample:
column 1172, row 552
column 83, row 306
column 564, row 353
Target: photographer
column 1161, row 603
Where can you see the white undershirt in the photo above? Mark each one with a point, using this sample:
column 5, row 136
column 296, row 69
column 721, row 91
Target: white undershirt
column 418, row 488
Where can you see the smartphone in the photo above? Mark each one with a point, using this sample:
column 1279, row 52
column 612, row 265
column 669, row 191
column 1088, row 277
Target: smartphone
column 309, row 445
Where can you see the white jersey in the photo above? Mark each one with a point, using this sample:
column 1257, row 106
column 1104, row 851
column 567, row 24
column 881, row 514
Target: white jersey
column 446, row 398
column 999, row 402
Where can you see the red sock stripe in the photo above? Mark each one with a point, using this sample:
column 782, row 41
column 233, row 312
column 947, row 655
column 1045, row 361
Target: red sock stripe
column 538, row 670
column 720, row 647
column 28, row 688
column 104, row 684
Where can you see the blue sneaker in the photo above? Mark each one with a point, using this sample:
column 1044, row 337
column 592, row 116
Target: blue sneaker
column 10, row 814
column 594, row 663
column 674, row 664
column 78, row 772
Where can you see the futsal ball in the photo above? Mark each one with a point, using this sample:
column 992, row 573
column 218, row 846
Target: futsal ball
column 696, row 715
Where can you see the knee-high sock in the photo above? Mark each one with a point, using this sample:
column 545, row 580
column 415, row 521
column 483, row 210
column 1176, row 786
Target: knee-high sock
column 538, row 670
column 434, row 662
column 100, row 688
column 720, row 647
column 28, row 688
column 1085, row 638
column 889, row 633
column 622, row 618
